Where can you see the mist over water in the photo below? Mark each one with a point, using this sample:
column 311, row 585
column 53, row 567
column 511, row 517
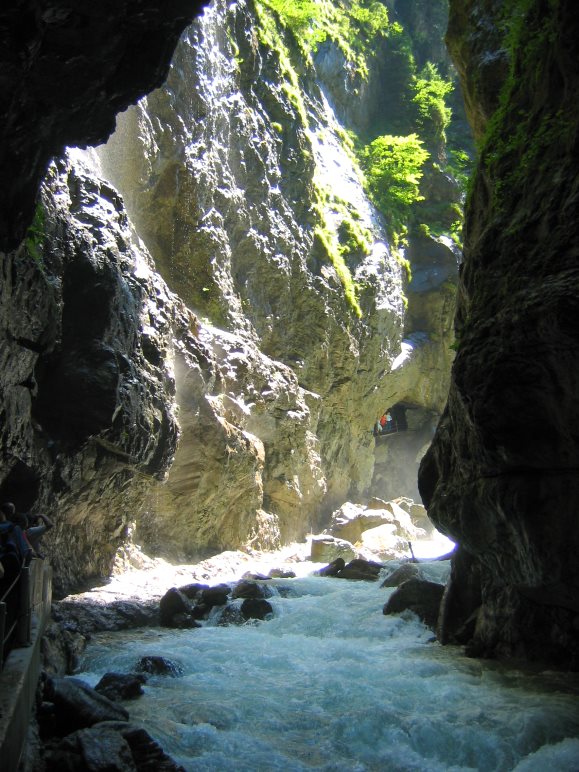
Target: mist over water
column 330, row 683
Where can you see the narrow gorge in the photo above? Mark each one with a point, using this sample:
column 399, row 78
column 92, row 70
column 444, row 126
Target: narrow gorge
column 297, row 301
column 233, row 237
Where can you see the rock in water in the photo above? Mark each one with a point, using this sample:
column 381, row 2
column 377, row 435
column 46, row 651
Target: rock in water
column 256, row 608
column 121, row 686
column 419, row 596
column 402, row 574
column 155, row 665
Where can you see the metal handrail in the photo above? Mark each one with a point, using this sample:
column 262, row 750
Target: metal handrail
column 32, row 586
column 7, row 635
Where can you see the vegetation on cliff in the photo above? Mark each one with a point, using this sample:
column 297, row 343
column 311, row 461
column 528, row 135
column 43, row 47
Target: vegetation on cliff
column 411, row 141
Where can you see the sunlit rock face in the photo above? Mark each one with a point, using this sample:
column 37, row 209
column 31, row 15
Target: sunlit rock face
column 65, row 70
column 220, row 171
column 500, row 477
column 253, row 398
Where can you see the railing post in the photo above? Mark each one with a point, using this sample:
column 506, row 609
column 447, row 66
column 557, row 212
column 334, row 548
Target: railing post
column 23, row 628
column 2, row 632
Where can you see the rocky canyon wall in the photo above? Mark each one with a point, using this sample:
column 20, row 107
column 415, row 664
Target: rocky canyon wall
column 501, row 475
column 230, row 402
column 236, row 174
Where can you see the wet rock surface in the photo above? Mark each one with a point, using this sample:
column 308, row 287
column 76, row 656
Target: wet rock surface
column 419, row 596
column 500, row 477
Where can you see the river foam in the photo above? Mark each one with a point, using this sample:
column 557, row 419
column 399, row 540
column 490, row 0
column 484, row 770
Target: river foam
column 330, row 683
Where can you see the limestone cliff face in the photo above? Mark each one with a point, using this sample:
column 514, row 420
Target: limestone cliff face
column 89, row 410
column 501, row 475
column 223, row 173
column 240, row 414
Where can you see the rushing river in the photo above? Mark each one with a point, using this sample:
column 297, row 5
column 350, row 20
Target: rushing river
column 330, row 683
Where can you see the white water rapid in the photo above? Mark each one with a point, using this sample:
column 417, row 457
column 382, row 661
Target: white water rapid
column 330, row 683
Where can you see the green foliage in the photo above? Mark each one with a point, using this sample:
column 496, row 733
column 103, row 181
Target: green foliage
column 354, row 240
column 325, row 242
column 430, row 92
column 352, row 25
column 35, row 234
column 393, row 169
column 520, row 145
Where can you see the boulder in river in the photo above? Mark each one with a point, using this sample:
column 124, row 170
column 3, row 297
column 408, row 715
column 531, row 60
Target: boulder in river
column 326, row 548
column 360, row 570
column 155, row 665
column 247, row 589
column 215, row 596
column 419, row 596
column 121, row 686
column 402, row 574
column 177, row 611
column 256, row 608
column 332, row 569
column 280, row 573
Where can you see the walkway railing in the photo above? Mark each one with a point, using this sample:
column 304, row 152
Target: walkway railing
column 29, row 594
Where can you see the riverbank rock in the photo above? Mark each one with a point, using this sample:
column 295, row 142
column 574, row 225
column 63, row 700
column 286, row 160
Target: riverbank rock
column 77, row 705
column 110, row 747
column 61, row 649
column 417, row 595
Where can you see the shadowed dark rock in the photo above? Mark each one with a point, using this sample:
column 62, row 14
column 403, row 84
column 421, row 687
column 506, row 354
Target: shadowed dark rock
column 172, row 603
column 54, row 59
column 191, row 591
column 215, row 596
column 419, row 596
column 121, row 686
column 247, row 589
column 77, row 705
column 110, row 747
column 155, row 665
column 360, row 570
column 500, row 477
column 256, row 608
column 332, row 569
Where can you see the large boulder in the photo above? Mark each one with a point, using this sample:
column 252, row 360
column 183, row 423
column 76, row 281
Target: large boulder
column 77, row 705
column 350, row 521
column 121, row 686
column 360, row 570
column 328, row 548
column 256, row 608
column 419, row 596
column 110, row 747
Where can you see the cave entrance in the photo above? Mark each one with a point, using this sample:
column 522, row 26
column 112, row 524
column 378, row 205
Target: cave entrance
column 392, row 421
